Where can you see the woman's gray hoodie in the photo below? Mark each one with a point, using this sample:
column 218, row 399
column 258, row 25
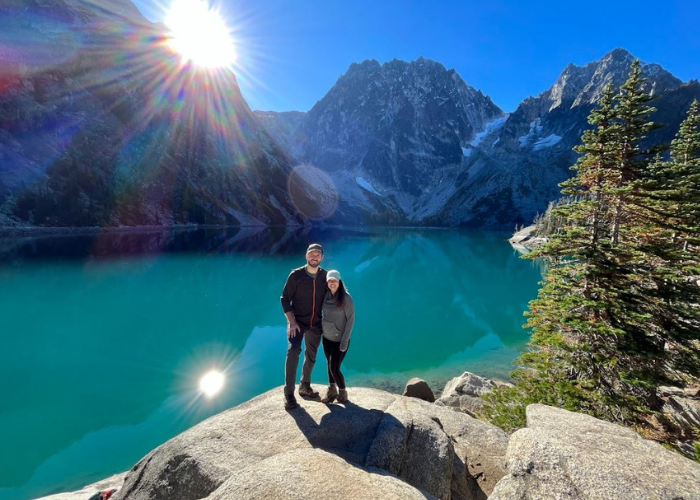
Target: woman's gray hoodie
column 338, row 321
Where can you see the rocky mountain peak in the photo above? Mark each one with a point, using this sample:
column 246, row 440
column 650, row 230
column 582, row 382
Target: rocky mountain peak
column 618, row 54
column 578, row 85
column 370, row 85
column 358, row 69
column 395, row 124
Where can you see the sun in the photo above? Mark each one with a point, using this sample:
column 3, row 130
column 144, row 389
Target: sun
column 212, row 383
column 199, row 34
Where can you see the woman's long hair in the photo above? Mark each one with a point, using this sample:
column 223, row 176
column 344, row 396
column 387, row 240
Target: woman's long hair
column 340, row 294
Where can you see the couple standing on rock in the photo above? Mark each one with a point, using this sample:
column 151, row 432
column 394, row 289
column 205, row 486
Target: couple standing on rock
column 317, row 305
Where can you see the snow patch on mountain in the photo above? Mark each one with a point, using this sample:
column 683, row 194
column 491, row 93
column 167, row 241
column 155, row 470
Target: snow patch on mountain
column 466, row 152
column 363, row 183
column 352, row 193
column 489, row 128
column 547, row 142
column 535, row 129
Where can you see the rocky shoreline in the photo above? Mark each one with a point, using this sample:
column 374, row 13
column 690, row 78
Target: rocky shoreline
column 390, row 446
column 525, row 240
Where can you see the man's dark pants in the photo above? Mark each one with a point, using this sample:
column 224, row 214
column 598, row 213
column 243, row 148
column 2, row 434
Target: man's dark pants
column 313, row 340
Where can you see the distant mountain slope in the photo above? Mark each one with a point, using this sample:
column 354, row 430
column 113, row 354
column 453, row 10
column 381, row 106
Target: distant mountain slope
column 100, row 124
column 515, row 171
column 412, row 143
column 283, row 128
column 396, row 122
column 391, row 136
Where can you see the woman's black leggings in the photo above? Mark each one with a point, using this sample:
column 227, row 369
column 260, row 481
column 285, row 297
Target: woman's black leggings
column 335, row 357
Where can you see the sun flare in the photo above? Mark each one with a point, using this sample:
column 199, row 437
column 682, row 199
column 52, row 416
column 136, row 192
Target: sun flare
column 199, row 34
column 212, row 383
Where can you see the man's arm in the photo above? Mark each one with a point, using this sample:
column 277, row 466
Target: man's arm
column 292, row 325
column 288, row 293
column 286, row 300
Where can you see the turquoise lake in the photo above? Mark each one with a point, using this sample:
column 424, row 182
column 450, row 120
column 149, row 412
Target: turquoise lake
column 104, row 336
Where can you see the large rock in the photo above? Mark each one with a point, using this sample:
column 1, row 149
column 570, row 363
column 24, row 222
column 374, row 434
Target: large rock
column 464, row 393
column 685, row 412
column 379, row 445
column 573, row 456
column 419, row 388
column 681, row 407
column 525, row 239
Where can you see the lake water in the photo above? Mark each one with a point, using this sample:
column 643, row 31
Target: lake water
column 103, row 337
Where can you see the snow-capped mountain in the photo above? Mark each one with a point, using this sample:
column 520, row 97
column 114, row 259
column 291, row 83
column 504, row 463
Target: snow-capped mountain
column 516, row 169
column 100, row 124
column 412, row 143
column 391, row 136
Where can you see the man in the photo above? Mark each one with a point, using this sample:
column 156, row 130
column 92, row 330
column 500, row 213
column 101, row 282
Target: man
column 302, row 300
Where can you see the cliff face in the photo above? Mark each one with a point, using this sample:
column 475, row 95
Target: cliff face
column 396, row 123
column 101, row 124
column 390, row 136
column 411, row 143
column 515, row 170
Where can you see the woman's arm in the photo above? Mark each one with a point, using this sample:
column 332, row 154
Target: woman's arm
column 349, row 307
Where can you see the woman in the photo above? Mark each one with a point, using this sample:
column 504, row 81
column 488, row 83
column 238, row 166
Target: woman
column 338, row 320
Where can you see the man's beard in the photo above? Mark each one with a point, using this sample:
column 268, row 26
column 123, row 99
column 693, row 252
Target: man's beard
column 313, row 264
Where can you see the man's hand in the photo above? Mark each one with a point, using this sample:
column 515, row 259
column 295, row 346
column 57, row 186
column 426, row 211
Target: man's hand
column 292, row 329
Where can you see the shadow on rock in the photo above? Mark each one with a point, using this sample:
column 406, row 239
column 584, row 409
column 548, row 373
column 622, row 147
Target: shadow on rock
column 348, row 431
column 380, row 445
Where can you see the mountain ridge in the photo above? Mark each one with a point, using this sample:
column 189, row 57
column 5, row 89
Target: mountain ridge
column 101, row 126
column 115, row 131
column 510, row 165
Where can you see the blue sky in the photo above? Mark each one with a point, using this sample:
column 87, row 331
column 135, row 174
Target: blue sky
column 291, row 52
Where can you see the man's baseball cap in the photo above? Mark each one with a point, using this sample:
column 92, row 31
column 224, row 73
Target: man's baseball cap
column 315, row 246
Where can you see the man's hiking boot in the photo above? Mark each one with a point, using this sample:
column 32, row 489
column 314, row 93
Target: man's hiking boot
column 343, row 396
column 331, row 394
column 306, row 392
column 290, row 402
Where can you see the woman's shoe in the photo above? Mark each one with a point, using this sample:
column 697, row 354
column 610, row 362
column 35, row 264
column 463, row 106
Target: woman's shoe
column 343, row 396
column 331, row 394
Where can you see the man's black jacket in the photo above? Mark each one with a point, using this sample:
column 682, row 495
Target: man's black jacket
column 303, row 295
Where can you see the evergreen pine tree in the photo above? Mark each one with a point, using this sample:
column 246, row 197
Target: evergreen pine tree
column 610, row 323
column 671, row 240
column 572, row 348
column 684, row 178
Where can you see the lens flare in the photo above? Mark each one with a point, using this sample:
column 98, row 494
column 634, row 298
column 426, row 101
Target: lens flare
column 313, row 192
column 199, row 34
column 212, row 383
